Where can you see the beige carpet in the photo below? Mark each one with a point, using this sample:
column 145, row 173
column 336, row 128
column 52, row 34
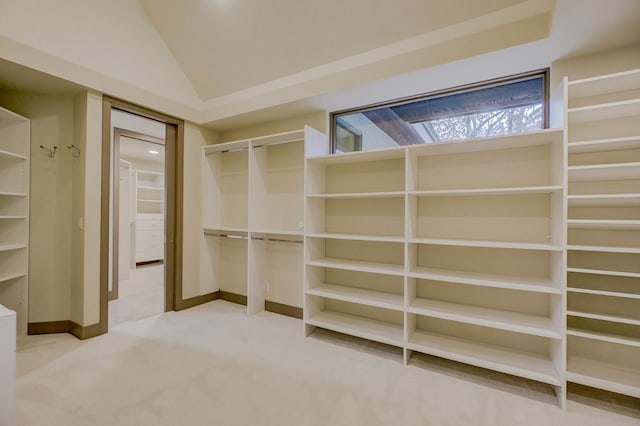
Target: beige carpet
column 213, row 365
column 141, row 296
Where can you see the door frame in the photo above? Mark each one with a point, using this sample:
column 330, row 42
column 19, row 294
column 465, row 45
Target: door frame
column 174, row 175
column 115, row 222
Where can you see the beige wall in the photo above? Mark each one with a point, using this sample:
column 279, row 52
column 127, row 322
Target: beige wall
column 50, row 202
column 197, row 277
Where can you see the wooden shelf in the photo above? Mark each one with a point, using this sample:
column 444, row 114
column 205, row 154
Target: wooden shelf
column 7, row 154
column 493, row 318
column 603, row 376
column 605, row 337
column 359, row 237
column 604, row 249
column 392, row 194
column 485, row 243
column 605, row 272
column 505, row 360
column 358, row 265
column 599, row 145
column 378, row 331
column 616, row 171
column 604, row 317
column 489, row 191
column 359, row 295
column 11, row 276
column 8, row 247
column 604, row 200
column 510, row 282
column 603, row 224
column 603, row 293
column 604, row 111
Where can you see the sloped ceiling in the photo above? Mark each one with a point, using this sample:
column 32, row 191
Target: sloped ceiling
column 225, row 46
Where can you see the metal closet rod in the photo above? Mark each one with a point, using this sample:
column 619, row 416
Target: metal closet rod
column 277, row 240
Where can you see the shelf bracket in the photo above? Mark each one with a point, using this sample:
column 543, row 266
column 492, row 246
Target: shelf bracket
column 51, row 153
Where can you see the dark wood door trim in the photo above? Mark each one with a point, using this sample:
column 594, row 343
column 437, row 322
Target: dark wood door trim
column 174, row 157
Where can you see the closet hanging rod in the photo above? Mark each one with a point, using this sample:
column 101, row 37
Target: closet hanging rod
column 277, row 240
column 258, row 145
column 237, row 237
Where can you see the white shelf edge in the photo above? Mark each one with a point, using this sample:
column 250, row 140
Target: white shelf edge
column 603, row 317
column 276, row 232
column 9, row 154
column 389, row 194
column 8, row 247
column 486, row 244
column 377, row 299
column 485, row 280
column 13, row 217
column 599, row 78
column 156, row 188
column 489, row 191
column 149, row 201
column 603, row 337
column 575, row 147
column 358, row 237
column 485, row 356
column 11, row 276
column 604, row 249
column 604, row 105
column 583, row 365
column 365, row 328
column 14, row 194
column 604, row 272
column 603, row 224
column 485, row 317
column 603, row 293
column 358, row 266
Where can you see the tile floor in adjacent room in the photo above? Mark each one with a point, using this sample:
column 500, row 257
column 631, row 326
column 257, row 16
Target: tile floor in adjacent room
column 214, row 365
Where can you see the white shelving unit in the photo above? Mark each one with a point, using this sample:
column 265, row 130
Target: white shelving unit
column 455, row 250
column 149, row 227
column 14, row 215
column 603, row 274
column 253, row 216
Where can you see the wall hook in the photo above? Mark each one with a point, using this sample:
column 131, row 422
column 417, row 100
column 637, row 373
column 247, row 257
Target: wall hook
column 75, row 150
column 50, row 153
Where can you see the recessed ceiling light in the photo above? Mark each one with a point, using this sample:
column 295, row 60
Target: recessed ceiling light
column 153, row 151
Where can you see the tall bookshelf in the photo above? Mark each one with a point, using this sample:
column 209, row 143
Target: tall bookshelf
column 14, row 215
column 253, row 217
column 454, row 250
column 603, row 274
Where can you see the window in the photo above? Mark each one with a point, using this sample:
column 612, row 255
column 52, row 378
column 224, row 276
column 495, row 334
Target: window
column 509, row 105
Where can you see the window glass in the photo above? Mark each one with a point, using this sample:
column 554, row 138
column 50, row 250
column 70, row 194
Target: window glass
column 516, row 105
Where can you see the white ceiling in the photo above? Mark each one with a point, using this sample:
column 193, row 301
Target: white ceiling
column 224, row 46
column 135, row 150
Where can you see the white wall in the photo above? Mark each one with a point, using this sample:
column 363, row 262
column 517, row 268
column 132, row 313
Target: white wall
column 52, row 121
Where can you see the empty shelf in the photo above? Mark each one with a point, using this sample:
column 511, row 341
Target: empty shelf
column 7, row 247
column 603, row 224
column 379, row 331
column 498, row 358
column 605, row 272
column 8, row 154
column 604, row 317
column 394, row 194
column 610, row 144
column 489, row 191
column 11, row 276
column 604, row 200
column 604, row 337
column 605, row 249
column 603, row 293
column 359, row 265
column 359, row 237
column 604, row 111
column 486, row 243
column 539, row 285
column 614, row 171
column 359, row 295
column 494, row 318
column 604, row 376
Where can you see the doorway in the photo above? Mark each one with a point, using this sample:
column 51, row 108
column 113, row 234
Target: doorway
column 136, row 286
column 130, row 249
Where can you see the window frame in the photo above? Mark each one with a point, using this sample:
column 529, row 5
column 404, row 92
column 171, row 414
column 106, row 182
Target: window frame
column 543, row 73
